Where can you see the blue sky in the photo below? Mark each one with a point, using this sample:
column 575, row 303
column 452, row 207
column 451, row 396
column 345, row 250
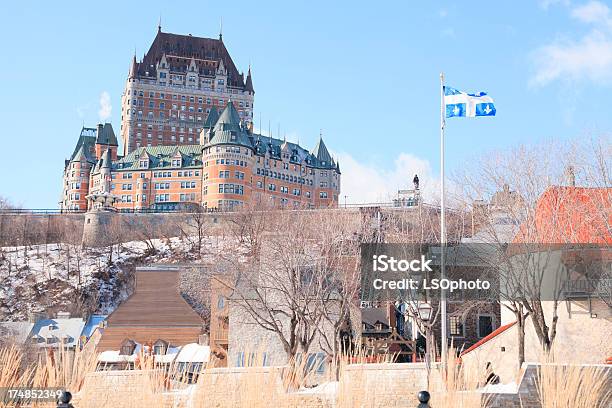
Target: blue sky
column 366, row 74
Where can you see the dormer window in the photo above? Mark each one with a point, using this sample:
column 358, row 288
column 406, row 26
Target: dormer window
column 160, row 347
column 176, row 162
column 144, row 163
column 127, row 347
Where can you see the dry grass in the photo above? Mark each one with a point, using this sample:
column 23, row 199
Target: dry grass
column 570, row 386
column 62, row 369
column 153, row 386
column 456, row 386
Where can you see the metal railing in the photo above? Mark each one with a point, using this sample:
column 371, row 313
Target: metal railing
column 179, row 209
column 66, row 397
column 587, row 287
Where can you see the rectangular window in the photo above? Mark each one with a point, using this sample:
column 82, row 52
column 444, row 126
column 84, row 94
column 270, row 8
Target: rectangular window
column 455, row 326
column 485, row 325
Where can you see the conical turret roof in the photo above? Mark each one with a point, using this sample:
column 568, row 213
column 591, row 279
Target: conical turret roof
column 249, row 82
column 229, row 119
column 321, row 153
column 212, row 118
column 133, row 68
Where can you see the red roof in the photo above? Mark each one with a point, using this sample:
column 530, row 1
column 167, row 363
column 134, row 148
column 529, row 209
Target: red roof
column 570, row 215
column 491, row 335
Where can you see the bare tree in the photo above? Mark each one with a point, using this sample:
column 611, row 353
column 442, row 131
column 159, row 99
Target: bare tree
column 531, row 216
column 194, row 227
column 283, row 284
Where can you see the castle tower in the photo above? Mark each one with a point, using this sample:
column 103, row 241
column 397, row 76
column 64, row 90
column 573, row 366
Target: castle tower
column 170, row 93
column 106, row 140
column 77, row 171
column 99, row 219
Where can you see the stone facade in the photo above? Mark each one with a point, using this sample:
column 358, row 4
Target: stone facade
column 582, row 337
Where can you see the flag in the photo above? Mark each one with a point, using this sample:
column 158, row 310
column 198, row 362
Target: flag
column 462, row 104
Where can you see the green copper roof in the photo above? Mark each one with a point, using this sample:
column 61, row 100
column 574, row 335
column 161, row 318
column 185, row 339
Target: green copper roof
column 229, row 119
column 229, row 129
column 212, row 118
column 161, row 157
column 85, row 145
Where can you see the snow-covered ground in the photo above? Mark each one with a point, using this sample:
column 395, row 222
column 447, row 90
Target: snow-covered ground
column 42, row 277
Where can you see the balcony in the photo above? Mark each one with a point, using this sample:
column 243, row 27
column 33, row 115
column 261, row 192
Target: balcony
column 584, row 288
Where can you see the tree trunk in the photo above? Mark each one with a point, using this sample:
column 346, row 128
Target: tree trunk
column 520, row 325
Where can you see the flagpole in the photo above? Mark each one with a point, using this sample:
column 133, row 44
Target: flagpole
column 443, row 349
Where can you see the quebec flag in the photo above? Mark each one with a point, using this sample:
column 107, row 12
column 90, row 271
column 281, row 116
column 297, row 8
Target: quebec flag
column 463, row 104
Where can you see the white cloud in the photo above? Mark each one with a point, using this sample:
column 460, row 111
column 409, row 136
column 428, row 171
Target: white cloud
column 106, row 107
column 588, row 58
column 368, row 183
column 593, row 12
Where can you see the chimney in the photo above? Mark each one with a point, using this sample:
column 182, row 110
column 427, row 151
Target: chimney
column 570, row 177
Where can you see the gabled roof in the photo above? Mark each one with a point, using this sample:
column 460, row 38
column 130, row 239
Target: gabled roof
column 490, row 336
column 60, row 328
column 156, row 302
column 374, row 315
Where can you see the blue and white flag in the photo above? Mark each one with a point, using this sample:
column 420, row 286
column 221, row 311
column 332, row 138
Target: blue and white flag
column 463, row 104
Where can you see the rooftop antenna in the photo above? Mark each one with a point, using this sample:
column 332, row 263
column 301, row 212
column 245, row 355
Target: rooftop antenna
column 221, row 30
column 159, row 24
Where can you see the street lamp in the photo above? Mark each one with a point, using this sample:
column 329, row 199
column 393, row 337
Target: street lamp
column 424, row 310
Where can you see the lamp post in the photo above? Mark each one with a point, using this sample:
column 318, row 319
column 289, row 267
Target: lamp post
column 424, row 310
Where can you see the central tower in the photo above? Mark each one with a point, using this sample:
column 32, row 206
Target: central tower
column 171, row 91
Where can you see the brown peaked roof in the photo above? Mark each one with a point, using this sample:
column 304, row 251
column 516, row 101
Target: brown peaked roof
column 156, row 301
column 155, row 310
column 179, row 49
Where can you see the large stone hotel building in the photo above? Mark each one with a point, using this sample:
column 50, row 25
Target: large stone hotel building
column 187, row 137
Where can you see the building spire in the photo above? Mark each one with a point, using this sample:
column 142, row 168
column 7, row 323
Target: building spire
column 159, row 24
column 221, row 30
column 249, row 81
column 133, row 66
